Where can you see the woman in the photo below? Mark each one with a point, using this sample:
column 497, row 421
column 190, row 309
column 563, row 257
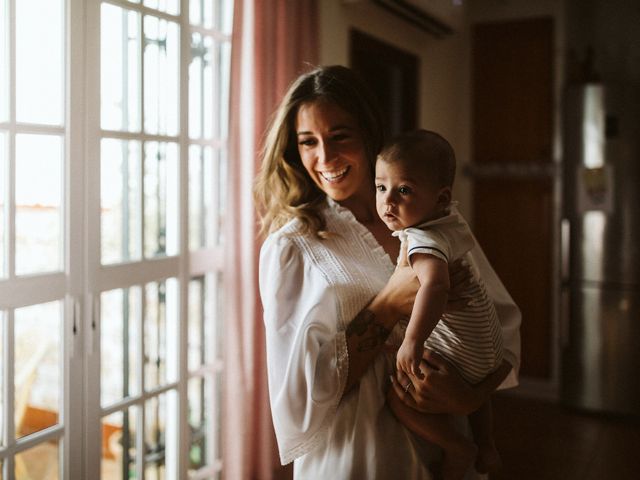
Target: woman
column 333, row 298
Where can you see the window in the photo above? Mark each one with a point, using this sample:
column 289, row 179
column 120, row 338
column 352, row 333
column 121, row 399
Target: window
column 113, row 151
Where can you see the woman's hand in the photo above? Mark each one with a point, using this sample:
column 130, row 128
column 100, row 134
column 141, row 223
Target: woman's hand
column 442, row 390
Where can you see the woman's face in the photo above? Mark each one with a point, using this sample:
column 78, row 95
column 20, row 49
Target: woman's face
column 332, row 150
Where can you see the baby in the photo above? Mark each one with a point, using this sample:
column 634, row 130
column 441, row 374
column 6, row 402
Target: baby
column 414, row 178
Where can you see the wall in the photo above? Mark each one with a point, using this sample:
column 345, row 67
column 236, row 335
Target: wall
column 445, row 63
column 444, row 93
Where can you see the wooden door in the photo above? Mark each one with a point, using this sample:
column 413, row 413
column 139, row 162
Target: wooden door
column 392, row 75
column 513, row 179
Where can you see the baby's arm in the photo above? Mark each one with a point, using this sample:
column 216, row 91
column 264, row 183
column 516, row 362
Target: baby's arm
column 429, row 306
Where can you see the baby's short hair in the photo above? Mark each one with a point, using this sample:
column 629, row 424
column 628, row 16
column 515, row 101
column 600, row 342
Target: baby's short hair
column 425, row 150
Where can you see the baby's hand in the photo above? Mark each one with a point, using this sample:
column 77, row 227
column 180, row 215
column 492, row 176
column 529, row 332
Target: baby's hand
column 409, row 357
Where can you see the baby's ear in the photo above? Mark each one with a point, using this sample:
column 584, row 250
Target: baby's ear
column 444, row 196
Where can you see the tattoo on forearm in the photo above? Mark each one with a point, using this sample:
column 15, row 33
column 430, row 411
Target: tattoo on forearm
column 371, row 334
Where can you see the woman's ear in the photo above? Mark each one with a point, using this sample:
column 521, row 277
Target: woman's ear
column 444, row 196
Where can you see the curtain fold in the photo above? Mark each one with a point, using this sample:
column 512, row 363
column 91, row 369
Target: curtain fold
column 273, row 41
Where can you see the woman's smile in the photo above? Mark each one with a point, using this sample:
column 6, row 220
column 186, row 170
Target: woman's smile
column 332, row 151
column 335, row 175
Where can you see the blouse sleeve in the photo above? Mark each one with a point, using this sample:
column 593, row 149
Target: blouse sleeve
column 508, row 313
column 306, row 349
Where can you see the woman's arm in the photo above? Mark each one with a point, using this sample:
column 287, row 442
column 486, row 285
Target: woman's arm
column 443, row 390
column 367, row 332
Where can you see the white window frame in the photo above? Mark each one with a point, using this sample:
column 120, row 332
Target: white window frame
column 83, row 278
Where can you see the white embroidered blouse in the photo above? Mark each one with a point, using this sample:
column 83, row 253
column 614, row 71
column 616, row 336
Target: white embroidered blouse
column 311, row 289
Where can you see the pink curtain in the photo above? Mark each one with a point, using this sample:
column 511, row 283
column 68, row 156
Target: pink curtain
column 273, row 41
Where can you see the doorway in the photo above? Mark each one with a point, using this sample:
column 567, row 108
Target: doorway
column 513, row 174
column 392, row 75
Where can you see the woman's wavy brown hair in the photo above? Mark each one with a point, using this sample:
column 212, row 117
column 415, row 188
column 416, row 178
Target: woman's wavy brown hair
column 283, row 189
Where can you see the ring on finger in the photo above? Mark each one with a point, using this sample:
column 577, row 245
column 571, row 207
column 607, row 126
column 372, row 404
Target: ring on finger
column 407, row 386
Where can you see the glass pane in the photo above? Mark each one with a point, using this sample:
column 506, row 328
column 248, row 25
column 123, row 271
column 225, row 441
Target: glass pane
column 197, row 210
column 221, row 190
column 169, row 6
column 195, row 11
column 40, row 84
column 39, row 463
column 4, row 65
column 119, row 445
column 223, row 69
column 224, row 15
column 120, row 69
column 217, row 319
column 161, row 76
column 216, row 415
column 205, row 321
column 155, row 422
column 3, row 363
column 196, row 337
column 38, row 203
column 201, row 197
column 207, row 14
column 3, row 203
column 161, row 199
column 200, row 410
column 120, row 201
column 160, row 333
column 121, row 320
column 38, row 356
column 201, row 87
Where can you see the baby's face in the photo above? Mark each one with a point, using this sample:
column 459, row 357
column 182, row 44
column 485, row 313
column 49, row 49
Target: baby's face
column 404, row 199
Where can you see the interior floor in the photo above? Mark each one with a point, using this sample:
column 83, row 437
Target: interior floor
column 539, row 440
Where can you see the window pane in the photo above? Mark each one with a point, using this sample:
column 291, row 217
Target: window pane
column 215, row 316
column 223, row 59
column 196, row 338
column 38, row 203
column 196, row 11
column 197, row 205
column 38, row 355
column 3, row 203
column 201, row 87
column 201, row 197
column 201, row 422
column 155, row 423
column 39, row 84
column 120, row 323
column 169, row 6
column 40, row 462
column 119, row 445
column 221, row 190
column 217, row 417
column 4, row 64
column 120, row 69
column 3, row 363
column 120, row 201
column 160, row 199
column 224, row 15
column 161, row 76
column 160, row 333
column 205, row 321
